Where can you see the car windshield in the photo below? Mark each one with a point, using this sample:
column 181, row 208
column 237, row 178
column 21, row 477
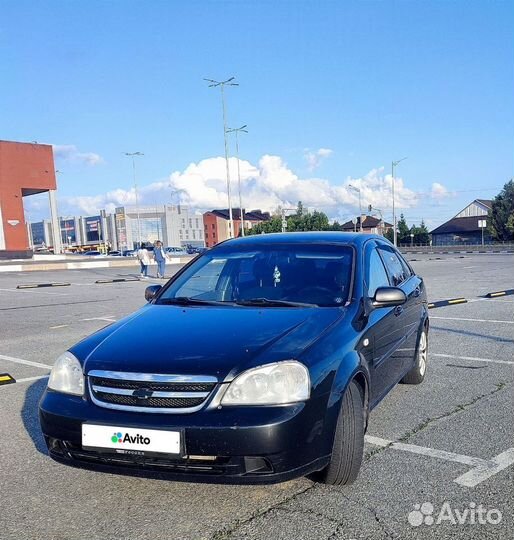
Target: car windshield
column 274, row 275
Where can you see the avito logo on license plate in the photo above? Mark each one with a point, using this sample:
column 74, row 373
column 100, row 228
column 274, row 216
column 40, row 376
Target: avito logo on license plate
column 121, row 438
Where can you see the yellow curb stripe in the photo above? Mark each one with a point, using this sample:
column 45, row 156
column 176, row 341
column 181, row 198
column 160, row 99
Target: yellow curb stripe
column 457, row 301
column 5, row 378
column 502, row 293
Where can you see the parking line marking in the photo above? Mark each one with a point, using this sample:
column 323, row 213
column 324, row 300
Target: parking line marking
column 37, row 291
column 482, row 468
column 58, row 326
column 473, row 358
column 430, row 452
column 25, row 362
column 483, row 472
column 472, row 320
column 28, row 379
column 108, row 318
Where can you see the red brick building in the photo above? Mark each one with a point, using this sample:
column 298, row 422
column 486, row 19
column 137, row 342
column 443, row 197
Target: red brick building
column 25, row 169
column 216, row 224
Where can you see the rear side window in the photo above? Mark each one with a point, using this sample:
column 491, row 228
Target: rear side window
column 377, row 275
column 398, row 272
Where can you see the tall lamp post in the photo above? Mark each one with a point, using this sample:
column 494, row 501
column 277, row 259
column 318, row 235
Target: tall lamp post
column 221, row 85
column 353, row 188
column 394, row 164
column 133, row 156
column 241, row 129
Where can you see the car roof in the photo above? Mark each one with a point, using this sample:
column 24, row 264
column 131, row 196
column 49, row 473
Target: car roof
column 311, row 237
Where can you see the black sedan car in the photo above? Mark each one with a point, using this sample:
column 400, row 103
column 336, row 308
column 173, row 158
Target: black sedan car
column 281, row 346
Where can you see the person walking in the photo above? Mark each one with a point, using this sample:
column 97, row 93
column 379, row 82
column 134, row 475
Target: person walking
column 144, row 259
column 160, row 258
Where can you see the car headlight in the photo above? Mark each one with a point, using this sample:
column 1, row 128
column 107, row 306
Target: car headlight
column 66, row 375
column 272, row 384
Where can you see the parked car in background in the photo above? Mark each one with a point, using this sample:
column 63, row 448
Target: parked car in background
column 92, row 253
column 175, row 251
column 114, row 254
column 282, row 345
column 129, row 253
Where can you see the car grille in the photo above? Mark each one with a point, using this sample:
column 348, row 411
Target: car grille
column 148, row 392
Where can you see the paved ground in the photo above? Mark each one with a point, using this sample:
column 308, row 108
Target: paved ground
column 447, row 443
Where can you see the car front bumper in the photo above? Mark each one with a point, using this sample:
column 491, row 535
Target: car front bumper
column 251, row 445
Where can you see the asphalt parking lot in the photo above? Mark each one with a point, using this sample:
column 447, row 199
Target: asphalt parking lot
column 435, row 454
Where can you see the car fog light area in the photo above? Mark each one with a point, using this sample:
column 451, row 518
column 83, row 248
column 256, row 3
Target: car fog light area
column 272, row 384
column 66, row 375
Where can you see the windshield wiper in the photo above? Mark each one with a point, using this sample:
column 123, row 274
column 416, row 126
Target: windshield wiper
column 187, row 301
column 267, row 302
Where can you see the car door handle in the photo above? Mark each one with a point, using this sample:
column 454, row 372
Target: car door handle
column 417, row 291
column 398, row 310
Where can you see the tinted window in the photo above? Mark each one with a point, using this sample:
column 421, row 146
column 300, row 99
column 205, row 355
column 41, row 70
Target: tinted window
column 395, row 269
column 377, row 276
column 313, row 274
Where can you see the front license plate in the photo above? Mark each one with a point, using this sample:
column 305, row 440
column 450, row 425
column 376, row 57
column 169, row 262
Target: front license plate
column 122, row 439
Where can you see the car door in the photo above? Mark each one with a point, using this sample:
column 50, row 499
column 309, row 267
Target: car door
column 382, row 329
column 409, row 314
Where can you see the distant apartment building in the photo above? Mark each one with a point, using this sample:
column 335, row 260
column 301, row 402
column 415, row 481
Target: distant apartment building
column 216, row 223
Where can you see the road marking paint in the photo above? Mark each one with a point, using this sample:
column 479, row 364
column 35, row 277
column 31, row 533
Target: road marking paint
column 108, row 318
column 472, row 358
column 29, row 379
column 483, row 472
column 25, row 362
column 35, row 291
column 58, row 326
column 424, row 451
column 482, row 468
column 472, row 320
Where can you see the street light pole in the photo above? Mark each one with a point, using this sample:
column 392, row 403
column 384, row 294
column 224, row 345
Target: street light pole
column 241, row 211
column 393, row 165
column 222, row 85
column 360, row 205
column 133, row 156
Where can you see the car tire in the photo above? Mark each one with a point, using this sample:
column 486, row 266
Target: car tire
column 348, row 447
column 417, row 374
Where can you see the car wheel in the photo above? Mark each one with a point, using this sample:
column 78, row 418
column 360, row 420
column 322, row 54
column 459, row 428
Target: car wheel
column 417, row 374
column 348, row 448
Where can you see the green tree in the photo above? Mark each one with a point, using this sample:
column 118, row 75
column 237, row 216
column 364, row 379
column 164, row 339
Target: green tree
column 301, row 221
column 389, row 235
column 421, row 234
column 403, row 230
column 501, row 217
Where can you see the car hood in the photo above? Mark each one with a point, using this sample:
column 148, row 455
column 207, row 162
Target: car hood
column 217, row 341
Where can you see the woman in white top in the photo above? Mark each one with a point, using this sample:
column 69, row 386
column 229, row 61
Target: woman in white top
column 144, row 259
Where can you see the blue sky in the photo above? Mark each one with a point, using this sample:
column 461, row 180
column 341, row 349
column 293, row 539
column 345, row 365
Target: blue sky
column 366, row 81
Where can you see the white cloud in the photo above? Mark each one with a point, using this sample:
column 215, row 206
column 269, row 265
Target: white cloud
column 267, row 185
column 315, row 157
column 439, row 192
column 69, row 152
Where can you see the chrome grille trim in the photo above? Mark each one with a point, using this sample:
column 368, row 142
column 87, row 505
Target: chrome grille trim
column 143, row 378
column 150, row 377
column 155, row 393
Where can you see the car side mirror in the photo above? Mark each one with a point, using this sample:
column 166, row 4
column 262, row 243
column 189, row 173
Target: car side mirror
column 151, row 291
column 388, row 297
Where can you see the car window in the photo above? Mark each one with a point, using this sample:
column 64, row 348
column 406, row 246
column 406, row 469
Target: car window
column 376, row 275
column 407, row 269
column 395, row 269
column 313, row 274
column 205, row 278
